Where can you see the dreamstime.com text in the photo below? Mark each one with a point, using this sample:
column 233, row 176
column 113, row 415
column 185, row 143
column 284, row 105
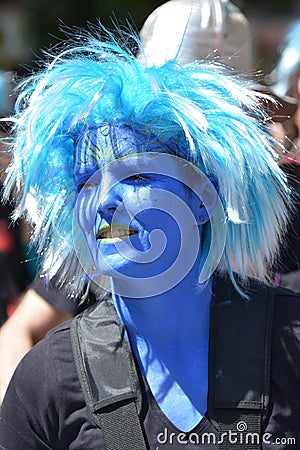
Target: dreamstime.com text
column 239, row 436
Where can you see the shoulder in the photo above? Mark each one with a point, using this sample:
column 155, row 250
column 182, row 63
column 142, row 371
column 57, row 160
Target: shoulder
column 58, row 298
column 286, row 335
column 287, row 306
column 42, row 362
column 285, row 374
column 33, row 396
column 286, row 325
column 44, row 400
column 51, row 361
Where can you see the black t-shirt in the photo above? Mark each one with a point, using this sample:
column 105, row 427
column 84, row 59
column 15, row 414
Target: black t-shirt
column 44, row 407
column 58, row 297
column 289, row 263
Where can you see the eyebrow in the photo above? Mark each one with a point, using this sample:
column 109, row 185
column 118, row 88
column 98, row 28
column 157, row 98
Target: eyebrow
column 135, row 164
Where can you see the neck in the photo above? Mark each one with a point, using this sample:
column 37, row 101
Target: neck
column 169, row 336
column 167, row 317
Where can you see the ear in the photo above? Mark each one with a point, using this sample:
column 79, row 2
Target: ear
column 209, row 197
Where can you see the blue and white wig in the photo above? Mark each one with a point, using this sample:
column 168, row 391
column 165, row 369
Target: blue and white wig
column 215, row 120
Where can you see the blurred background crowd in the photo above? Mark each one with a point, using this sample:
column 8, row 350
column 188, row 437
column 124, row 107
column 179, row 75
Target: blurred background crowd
column 27, row 27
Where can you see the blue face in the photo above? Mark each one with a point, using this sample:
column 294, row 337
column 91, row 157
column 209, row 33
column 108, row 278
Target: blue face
column 138, row 217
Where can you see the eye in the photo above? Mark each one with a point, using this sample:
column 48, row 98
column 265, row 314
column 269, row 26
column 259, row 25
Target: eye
column 139, row 178
column 87, row 185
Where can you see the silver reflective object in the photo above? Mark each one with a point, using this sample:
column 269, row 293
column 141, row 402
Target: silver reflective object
column 189, row 30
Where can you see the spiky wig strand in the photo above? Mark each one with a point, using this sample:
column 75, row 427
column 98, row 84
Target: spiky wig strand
column 215, row 119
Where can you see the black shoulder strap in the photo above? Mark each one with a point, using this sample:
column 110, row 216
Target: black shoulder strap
column 108, row 376
column 240, row 359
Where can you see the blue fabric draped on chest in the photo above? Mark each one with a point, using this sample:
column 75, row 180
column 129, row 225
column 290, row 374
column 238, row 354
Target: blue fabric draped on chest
column 137, row 217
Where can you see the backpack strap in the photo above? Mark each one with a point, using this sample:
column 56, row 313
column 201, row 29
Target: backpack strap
column 240, row 360
column 109, row 381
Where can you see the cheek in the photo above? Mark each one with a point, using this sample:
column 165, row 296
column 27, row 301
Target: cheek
column 133, row 205
column 139, row 198
column 86, row 213
column 160, row 208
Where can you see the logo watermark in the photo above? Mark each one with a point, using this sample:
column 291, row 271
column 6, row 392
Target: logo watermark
column 240, row 435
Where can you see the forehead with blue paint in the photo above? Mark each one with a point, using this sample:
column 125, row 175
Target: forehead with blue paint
column 100, row 145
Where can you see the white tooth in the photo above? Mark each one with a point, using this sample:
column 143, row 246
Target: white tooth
column 120, row 233
column 114, row 233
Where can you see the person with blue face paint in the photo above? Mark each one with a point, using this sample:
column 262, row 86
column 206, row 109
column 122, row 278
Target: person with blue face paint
column 159, row 184
column 133, row 197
